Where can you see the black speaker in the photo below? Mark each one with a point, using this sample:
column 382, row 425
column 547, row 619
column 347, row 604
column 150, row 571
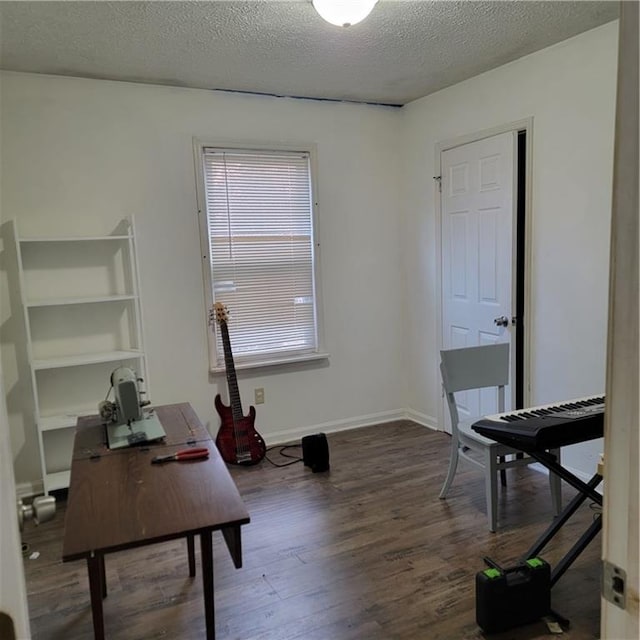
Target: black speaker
column 315, row 452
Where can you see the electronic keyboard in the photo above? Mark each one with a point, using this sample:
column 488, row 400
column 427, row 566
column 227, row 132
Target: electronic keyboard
column 547, row 426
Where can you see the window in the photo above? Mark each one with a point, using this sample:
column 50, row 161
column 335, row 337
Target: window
column 257, row 228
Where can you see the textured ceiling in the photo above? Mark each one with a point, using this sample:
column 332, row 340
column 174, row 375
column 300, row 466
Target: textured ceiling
column 404, row 50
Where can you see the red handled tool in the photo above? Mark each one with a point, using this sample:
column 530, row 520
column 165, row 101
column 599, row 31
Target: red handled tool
column 183, row 455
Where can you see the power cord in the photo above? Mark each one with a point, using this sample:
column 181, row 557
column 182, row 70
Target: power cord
column 283, row 454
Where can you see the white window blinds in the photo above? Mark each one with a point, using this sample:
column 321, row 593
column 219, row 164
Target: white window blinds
column 260, row 224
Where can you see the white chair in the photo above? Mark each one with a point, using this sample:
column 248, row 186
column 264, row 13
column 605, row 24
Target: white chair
column 478, row 368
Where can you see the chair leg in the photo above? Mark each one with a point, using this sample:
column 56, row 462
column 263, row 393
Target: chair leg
column 453, row 465
column 555, row 484
column 503, row 473
column 491, row 487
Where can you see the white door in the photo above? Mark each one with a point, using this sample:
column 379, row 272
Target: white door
column 620, row 532
column 13, row 595
column 478, row 223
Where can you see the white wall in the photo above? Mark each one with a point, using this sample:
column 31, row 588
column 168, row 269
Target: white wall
column 81, row 154
column 78, row 155
column 569, row 89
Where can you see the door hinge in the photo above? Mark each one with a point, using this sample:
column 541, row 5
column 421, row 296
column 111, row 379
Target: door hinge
column 614, row 581
column 438, row 179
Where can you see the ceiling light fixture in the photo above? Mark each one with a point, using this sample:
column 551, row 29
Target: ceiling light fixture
column 344, row 13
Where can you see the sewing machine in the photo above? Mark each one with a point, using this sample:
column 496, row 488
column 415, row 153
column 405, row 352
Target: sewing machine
column 126, row 420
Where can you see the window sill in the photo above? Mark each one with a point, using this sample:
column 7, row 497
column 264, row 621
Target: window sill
column 257, row 364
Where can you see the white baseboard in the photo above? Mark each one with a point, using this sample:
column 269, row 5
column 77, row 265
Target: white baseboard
column 288, row 435
column 36, row 487
column 29, row 489
column 280, row 437
column 422, row 419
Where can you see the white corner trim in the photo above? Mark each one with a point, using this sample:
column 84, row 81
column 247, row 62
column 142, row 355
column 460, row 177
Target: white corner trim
column 422, row 419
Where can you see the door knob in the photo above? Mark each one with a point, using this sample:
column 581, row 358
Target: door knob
column 42, row 509
column 501, row 321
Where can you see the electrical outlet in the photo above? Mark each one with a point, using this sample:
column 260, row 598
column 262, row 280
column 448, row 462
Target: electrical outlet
column 259, row 395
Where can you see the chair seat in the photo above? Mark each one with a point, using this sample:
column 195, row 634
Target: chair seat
column 467, row 433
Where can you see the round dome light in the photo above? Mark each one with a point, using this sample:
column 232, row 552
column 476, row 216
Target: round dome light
column 344, row 13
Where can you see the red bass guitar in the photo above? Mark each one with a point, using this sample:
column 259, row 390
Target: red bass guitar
column 237, row 439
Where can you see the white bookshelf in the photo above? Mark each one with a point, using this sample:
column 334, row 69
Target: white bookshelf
column 82, row 315
column 71, row 300
column 78, row 360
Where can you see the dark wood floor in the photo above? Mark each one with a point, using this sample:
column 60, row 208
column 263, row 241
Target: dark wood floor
column 364, row 551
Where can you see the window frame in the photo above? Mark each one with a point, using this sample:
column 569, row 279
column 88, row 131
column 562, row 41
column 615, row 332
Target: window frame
column 199, row 144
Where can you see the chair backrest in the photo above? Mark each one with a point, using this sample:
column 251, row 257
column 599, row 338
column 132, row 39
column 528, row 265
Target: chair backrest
column 475, row 367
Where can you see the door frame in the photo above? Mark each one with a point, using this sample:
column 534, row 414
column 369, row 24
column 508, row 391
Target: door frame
column 620, row 510
column 13, row 591
column 526, row 125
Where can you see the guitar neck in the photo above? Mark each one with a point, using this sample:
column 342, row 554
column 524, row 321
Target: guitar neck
column 232, row 380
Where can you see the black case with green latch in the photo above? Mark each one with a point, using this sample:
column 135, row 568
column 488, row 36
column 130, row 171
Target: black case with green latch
column 507, row 598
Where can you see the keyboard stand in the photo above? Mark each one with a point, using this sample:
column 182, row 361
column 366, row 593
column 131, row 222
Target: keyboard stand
column 538, row 450
column 586, row 490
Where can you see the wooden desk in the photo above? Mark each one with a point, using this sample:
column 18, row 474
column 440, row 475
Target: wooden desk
column 119, row 500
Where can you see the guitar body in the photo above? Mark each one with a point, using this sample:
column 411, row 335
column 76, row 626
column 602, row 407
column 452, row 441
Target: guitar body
column 237, row 440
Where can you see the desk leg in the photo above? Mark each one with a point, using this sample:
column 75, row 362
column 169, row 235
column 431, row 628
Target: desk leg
column 206, row 549
column 95, row 566
column 103, row 576
column 191, row 552
column 234, row 544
